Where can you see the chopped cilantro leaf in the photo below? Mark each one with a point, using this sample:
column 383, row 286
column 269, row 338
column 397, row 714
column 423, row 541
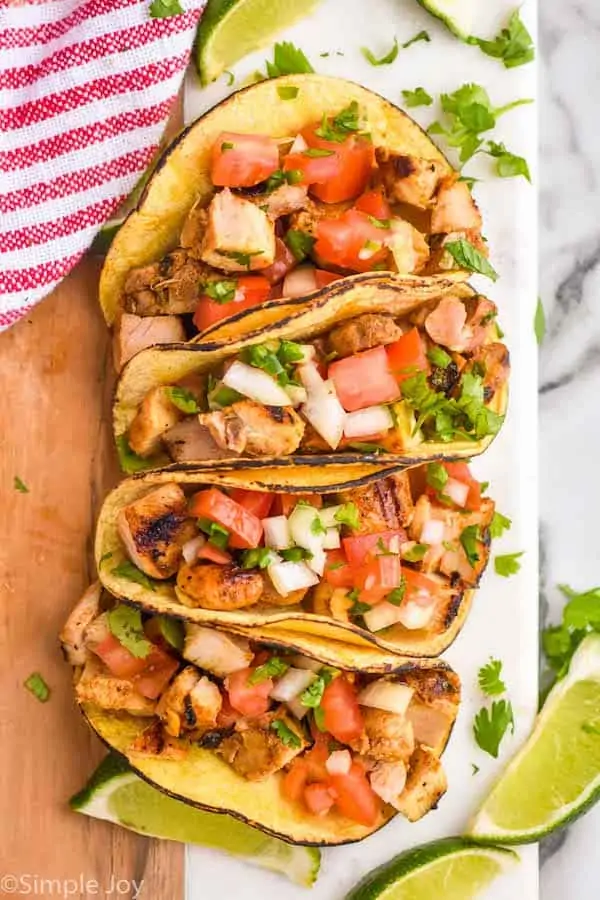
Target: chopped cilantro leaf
column 129, row 461
column 508, row 165
column 217, row 535
column 285, row 733
column 36, row 685
column 258, row 558
column 273, row 668
column 416, row 553
column 300, row 243
column 126, row 569
column 437, row 476
column 439, row 357
column 508, row 564
column 125, row 624
column 386, row 60
column 489, row 678
column 469, row 539
column 499, row 524
column 490, row 726
column 183, row 400
column 513, row 45
column 347, row 514
column 468, row 257
column 288, row 60
column 20, row 486
column 539, row 322
column 418, row 97
column 421, row 36
column 243, row 259
column 221, row 291
column 288, row 92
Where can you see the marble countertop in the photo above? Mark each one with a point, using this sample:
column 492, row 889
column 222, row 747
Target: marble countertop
column 570, row 358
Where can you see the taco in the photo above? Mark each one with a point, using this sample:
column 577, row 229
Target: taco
column 303, row 168
column 344, row 380
column 388, row 566
column 307, row 752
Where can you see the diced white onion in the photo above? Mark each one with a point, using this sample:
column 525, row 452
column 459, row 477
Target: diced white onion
column 328, row 514
column 388, row 695
column 296, row 708
column 296, row 393
column 299, row 282
column 191, row 548
column 415, row 615
column 277, row 532
column 308, row 353
column 381, row 616
column 458, row 491
column 299, row 145
column 326, row 414
column 291, row 576
column 310, row 376
column 432, row 532
column 292, row 684
column 339, row 762
column 372, row 420
column 301, row 523
column 331, row 540
column 318, row 560
column 305, row 662
column 255, row 384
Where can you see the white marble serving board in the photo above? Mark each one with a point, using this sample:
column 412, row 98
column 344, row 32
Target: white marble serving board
column 504, row 620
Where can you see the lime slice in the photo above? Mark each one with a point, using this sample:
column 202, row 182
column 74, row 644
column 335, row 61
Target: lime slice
column 457, row 15
column 114, row 793
column 230, row 29
column 452, row 869
column 556, row 775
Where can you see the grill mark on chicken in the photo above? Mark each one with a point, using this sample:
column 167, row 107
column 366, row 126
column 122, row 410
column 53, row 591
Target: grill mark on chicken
column 210, row 740
column 452, row 610
column 188, row 712
column 163, row 530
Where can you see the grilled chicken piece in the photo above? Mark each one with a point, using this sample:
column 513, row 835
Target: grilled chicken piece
column 449, row 324
column 388, row 780
column 334, row 603
column 256, row 751
column 308, row 218
column 154, row 529
column 256, row 430
column 191, row 703
column 409, row 248
column 155, row 416
column 455, row 209
column 426, row 784
column 172, row 286
column 363, row 333
column 193, row 231
column 388, row 737
column 214, row 651
column 72, row 636
column 154, row 741
column 431, row 726
column 408, row 179
column 135, row 333
column 189, row 441
column 383, row 505
column 284, row 200
column 450, row 557
column 211, row 586
column 99, row 687
column 433, row 706
column 239, row 236
column 492, row 362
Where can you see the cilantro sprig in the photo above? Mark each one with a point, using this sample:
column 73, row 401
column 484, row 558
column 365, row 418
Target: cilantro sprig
column 581, row 616
column 489, row 678
column 507, row 564
column 513, row 45
column 288, row 60
column 468, row 257
column 490, row 726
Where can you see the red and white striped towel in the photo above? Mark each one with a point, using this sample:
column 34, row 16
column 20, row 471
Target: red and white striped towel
column 86, row 87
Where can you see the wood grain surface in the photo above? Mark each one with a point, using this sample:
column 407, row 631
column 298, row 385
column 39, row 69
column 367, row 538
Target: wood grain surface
column 56, row 380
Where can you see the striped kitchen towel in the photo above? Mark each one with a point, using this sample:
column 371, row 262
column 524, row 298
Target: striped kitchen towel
column 86, row 87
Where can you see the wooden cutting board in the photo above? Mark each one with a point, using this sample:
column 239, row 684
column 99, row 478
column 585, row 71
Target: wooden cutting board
column 55, row 435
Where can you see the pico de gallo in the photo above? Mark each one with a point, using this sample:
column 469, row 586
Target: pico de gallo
column 393, row 554
column 287, row 216
column 353, row 744
column 374, row 383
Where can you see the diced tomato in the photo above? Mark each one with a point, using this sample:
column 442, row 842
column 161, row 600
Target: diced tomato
column 284, row 262
column 318, row 755
column 294, row 780
column 285, row 503
column 375, row 204
column 227, row 715
column 257, row 502
column 377, row 578
column 160, row 668
column 337, row 571
column 474, row 496
column 342, row 715
column 121, row 662
column 251, row 159
column 214, row 554
column 248, row 699
column 366, row 546
column 354, row 796
column 363, row 379
column 318, row 799
column 354, row 170
column 351, row 241
column 251, row 290
column 314, row 169
column 407, row 355
column 244, row 527
column 323, row 277
column 417, row 584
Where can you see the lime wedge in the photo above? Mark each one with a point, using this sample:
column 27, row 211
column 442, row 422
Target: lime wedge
column 230, row 29
column 114, row 793
column 452, row 869
column 457, row 15
column 556, row 776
